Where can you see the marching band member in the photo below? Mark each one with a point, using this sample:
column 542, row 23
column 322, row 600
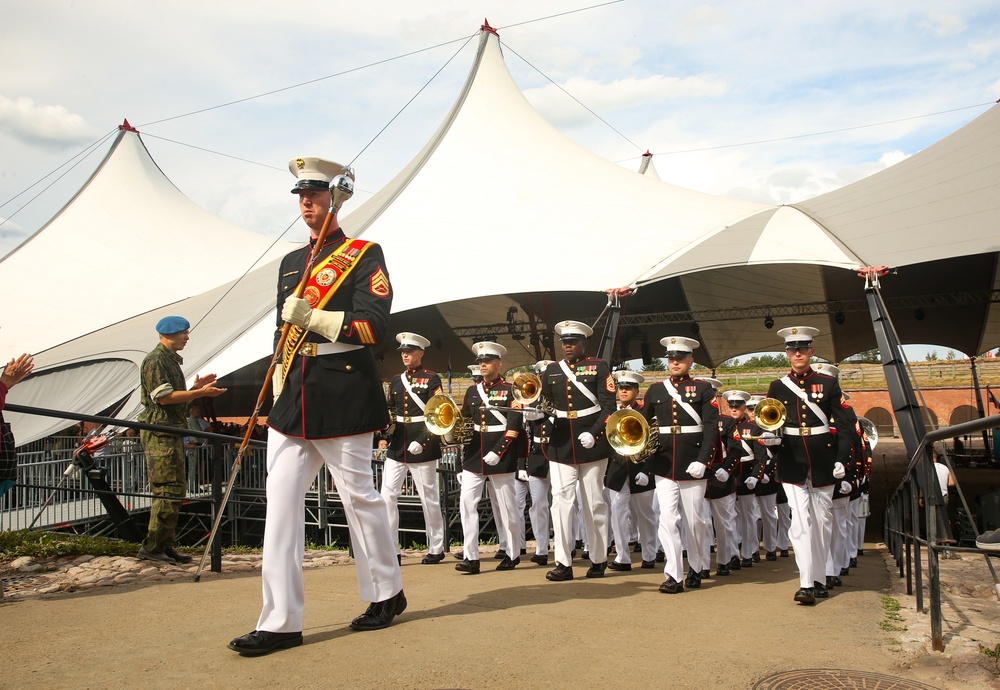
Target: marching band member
column 412, row 447
column 721, row 495
column 582, row 392
column 329, row 402
column 811, row 459
column 688, row 418
column 751, row 457
column 620, row 474
column 767, row 502
column 533, row 475
column 784, row 514
column 490, row 455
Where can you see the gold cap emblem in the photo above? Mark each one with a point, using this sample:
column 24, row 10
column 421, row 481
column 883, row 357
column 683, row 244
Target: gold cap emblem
column 299, row 163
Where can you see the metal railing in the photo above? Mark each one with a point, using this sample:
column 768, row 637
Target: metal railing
column 916, row 517
column 45, row 494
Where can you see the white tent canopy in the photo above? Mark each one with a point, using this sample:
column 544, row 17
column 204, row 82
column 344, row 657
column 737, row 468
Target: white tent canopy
column 537, row 223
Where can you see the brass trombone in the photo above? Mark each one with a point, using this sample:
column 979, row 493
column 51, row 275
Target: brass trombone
column 442, row 417
column 630, row 435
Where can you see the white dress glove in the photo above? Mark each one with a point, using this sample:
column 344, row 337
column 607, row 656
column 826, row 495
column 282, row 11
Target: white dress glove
column 297, row 311
column 522, row 475
column 722, row 475
column 765, row 479
column 586, row 439
column 491, row 459
column 641, row 479
column 769, row 439
column 414, row 448
column 751, row 483
column 458, row 476
column 838, row 471
column 532, row 415
column 696, row 469
column 845, row 487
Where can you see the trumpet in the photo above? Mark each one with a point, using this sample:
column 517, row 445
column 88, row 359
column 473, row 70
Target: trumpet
column 527, row 390
column 870, row 431
column 630, row 435
column 442, row 417
column 770, row 415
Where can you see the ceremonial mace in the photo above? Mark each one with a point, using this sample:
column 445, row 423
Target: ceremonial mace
column 342, row 188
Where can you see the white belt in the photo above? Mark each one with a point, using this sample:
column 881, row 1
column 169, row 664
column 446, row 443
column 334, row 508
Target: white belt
column 806, row 431
column 573, row 414
column 319, row 349
column 408, row 420
column 747, row 458
column 682, row 429
column 490, row 428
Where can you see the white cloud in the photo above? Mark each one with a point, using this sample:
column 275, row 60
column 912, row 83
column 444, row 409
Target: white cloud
column 51, row 126
column 942, row 25
column 620, row 94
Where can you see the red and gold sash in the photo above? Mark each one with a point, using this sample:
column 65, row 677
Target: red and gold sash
column 327, row 276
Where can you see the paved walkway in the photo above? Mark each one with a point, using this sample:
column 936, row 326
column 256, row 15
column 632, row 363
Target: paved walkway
column 497, row 629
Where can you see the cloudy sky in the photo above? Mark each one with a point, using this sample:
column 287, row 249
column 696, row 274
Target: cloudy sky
column 774, row 101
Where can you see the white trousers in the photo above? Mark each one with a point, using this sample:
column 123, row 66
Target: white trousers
column 621, row 519
column 769, row 521
column 590, row 478
column 472, row 494
column 685, row 498
column 811, row 516
column 862, row 523
column 837, row 556
column 644, row 520
column 784, row 524
column 499, row 518
column 726, row 538
column 425, row 479
column 538, row 513
column 292, row 465
column 746, row 520
column 852, row 530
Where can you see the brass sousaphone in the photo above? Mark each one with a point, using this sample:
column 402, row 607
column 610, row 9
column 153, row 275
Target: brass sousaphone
column 630, row 435
column 769, row 415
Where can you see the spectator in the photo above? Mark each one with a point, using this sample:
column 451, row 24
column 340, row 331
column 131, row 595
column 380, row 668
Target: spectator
column 13, row 373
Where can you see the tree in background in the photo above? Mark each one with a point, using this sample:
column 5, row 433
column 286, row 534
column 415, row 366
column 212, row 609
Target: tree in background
column 656, row 364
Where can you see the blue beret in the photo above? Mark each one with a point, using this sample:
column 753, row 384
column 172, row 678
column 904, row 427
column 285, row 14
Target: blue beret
column 169, row 325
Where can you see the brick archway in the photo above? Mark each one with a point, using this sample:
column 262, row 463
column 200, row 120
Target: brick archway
column 963, row 413
column 882, row 419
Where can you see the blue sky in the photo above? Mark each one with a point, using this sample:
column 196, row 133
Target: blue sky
column 693, row 77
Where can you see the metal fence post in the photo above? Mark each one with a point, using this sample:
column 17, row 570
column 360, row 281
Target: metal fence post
column 216, row 464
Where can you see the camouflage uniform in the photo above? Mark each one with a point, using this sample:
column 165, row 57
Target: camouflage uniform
column 161, row 374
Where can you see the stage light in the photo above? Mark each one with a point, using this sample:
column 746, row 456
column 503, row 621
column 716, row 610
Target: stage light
column 839, row 318
column 768, row 322
column 919, row 314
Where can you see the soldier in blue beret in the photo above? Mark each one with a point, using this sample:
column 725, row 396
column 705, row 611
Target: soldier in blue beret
column 165, row 401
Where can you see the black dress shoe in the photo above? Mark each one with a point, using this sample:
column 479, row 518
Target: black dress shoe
column 853, row 562
column 693, row 580
column 648, row 565
column 671, row 586
column 586, row 555
column 806, row 595
column 597, row 569
column 660, row 557
column 579, row 544
column 261, row 642
column 500, row 555
column 834, row 581
column 560, row 573
column 460, row 556
column 524, row 552
column 572, row 554
column 734, row 563
column 746, row 563
column 621, row 567
column 820, row 590
column 539, row 559
column 379, row 614
column 637, row 548
column 432, row 558
column 861, row 552
column 467, row 566
column 399, row 559
column 721, row 569
column 756, row 557
column 844, row 572
column 507, row 564
column 179, row 557
column 771, row 556
column 784, row 553
column 704, row 574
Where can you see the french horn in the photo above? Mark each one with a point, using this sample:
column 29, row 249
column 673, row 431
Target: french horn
column 442, row 417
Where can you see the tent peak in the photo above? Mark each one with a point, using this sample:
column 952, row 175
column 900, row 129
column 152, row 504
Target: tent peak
column 486, row 27
column 647, row 154
column 126, row 127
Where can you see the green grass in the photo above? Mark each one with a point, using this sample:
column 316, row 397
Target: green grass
column 892, row 617
column 48, row 544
